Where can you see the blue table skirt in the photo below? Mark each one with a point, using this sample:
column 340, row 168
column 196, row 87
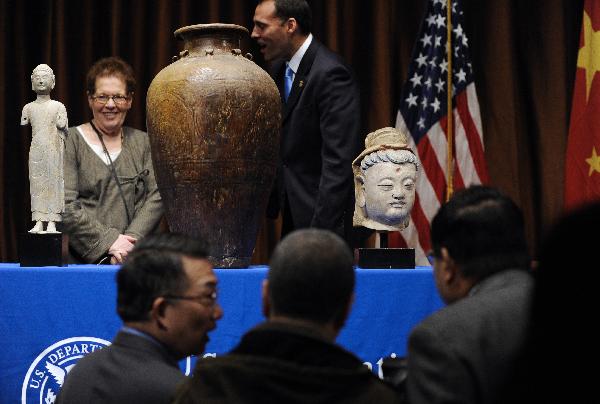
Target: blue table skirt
column 41, row 307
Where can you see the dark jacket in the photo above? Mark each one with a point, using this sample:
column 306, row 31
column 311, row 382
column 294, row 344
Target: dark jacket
column 279, row 363
column 320, row 136
column 131, row 370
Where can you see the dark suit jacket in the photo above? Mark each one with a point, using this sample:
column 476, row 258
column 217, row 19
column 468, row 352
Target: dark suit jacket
column 464, row 352
column 320, row 137
column 131, row 370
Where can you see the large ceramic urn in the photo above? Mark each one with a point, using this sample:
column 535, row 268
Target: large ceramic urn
column 213, row 119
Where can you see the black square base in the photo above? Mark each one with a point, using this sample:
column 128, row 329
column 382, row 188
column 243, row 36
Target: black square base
column 396, row 258
column 43, row 249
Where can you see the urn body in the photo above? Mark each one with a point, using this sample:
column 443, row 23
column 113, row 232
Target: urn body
column 213, row 119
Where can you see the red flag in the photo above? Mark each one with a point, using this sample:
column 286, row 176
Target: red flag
column 423, row 113
column 582, row 165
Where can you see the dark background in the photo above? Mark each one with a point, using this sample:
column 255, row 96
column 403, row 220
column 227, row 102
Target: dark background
column 523, row 53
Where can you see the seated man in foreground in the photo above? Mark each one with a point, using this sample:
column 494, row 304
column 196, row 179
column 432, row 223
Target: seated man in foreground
column 292, row 358
column 465, row 352
column 167, row 301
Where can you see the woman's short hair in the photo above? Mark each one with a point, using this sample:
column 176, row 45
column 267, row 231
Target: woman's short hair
column 110, row 66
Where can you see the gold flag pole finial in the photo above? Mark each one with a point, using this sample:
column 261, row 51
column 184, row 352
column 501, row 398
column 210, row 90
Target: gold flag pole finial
column 450, row 165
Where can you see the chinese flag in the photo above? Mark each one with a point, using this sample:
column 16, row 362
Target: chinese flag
column 582, row 166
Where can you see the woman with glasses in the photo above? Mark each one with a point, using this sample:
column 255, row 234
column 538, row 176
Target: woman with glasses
column 111, row 197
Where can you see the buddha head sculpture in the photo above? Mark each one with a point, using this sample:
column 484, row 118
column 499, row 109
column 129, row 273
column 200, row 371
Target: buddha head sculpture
column 42, row 79
column 385, row 176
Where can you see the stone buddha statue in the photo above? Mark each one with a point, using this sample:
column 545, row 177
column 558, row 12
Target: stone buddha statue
column 385, row 176
column 48, row 120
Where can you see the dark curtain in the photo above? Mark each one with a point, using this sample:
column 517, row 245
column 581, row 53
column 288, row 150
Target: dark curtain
column 523, row 52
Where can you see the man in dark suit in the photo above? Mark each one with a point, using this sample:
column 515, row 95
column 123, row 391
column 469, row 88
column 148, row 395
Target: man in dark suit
column 167, row 301
column 292, row 358
column 320, row 133
column 465, row 352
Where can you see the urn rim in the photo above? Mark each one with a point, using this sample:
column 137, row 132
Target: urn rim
column 181, row 32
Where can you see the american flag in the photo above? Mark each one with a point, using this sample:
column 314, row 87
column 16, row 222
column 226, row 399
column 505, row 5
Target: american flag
column 423, row 113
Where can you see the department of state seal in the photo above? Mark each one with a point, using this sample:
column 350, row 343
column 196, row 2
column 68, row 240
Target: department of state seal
column 47, row 373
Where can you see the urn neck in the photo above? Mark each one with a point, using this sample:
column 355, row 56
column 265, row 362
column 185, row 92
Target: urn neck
column 210, row 39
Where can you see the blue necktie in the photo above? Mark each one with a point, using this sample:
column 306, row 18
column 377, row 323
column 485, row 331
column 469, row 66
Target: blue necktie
column 287, row 81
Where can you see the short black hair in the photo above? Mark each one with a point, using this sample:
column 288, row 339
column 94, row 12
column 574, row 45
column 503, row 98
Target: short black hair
column 152, row 269
column 297, row 9
column 311, row 276
column 483, row 231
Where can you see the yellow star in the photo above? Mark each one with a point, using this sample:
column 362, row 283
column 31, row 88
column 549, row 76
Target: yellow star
column 589, row 55
column 594, row 162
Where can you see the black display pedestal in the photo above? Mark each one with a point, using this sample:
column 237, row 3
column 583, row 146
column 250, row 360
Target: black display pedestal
column 396, row 258
column 43, row 249
column 384, row 257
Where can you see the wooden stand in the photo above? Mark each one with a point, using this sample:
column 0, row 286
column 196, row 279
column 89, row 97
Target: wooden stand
column 43, row 249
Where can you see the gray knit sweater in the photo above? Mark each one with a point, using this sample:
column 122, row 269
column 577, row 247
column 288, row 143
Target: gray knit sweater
column 95, row 213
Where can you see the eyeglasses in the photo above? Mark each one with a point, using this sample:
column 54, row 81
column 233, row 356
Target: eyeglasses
column 431, row 257
column 206, row 300
column 117, row 99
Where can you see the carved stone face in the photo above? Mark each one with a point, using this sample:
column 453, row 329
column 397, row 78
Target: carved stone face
column 388, row 192
column 42, row 82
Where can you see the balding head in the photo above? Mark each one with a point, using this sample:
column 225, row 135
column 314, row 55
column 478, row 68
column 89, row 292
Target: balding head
column 311, row 277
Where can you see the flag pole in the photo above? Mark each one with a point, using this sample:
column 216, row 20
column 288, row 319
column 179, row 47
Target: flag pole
column 450, row 165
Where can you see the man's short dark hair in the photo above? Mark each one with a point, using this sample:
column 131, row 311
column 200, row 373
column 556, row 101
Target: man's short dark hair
column 311, row 276
column 152, row 269
column 483, row 231
column 297, row 9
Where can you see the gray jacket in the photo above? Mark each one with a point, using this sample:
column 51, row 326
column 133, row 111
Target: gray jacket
column 95, row 213
column 464, row 352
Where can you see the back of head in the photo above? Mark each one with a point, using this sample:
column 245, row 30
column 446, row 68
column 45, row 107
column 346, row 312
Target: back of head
column 110, row 66
column 311, row 277
column 567, row 249
column 563, row 304
column 483, row 231
column 154, row 268
column 297, row 9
